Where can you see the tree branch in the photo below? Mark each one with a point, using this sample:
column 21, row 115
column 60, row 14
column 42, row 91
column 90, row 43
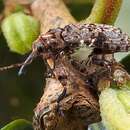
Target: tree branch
column 51, row 14
column 104, row 11
column 80, row 106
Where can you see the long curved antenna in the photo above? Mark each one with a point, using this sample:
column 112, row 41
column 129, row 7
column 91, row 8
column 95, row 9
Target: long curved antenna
column 22, row 65
column 27, row 61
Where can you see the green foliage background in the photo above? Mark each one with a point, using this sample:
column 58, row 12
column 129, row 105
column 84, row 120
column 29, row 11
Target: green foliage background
column 19, row 95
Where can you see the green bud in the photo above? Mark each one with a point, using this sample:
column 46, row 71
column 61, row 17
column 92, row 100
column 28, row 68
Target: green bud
column 113, row 104
column 20, row 30
column 19, row 124
column 124, row 97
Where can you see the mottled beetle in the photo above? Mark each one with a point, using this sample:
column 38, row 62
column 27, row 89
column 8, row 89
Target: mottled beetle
column 103, row 39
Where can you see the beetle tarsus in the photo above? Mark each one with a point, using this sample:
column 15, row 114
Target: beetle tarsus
column 61, row 97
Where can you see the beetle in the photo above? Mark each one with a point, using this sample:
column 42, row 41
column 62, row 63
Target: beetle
column 103, row 39
column 59, row 42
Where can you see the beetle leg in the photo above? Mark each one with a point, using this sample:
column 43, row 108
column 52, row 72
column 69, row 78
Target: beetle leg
column 50, row 71
column 101, row 62
column 93, row 79
column 63, row 81
column 61, row 97
column 88, row 62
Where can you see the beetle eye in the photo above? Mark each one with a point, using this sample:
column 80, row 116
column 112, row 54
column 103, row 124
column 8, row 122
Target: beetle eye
column 40, row 48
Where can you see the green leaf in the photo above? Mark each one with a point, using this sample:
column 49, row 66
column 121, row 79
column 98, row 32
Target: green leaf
column 19, row 124
column 20, row 31
column 123, row 22
column 113, row 106
column 124, row 97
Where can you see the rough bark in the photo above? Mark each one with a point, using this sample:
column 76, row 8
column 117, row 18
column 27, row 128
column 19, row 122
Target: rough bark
column 51, row 14
column 80, row 107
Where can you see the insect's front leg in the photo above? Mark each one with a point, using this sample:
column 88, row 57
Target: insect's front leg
column 49, row 70
column 57, row 70
column 62, row 76
column 93, row 79
column 101, row 60
column 62, row 79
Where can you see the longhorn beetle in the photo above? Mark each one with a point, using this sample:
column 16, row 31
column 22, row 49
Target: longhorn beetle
column 103, row 39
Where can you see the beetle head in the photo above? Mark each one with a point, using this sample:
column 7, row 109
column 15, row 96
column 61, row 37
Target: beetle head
column 39, row 48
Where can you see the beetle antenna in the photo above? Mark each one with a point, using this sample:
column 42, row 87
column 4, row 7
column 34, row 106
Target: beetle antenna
column 22, row 65
column 27, row 61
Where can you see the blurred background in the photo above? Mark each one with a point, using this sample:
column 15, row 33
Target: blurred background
column 20, row 94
